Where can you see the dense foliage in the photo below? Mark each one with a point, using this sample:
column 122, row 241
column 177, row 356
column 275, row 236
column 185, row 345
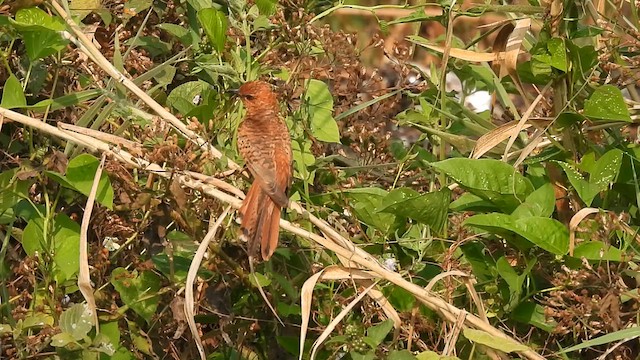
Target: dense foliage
column 526, row 215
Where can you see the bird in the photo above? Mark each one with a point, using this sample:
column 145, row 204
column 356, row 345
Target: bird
column 265, row 145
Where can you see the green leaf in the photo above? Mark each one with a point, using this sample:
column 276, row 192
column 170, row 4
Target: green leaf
column 62, row 243
column 586, row 190
column 112, row 332
column 266, row 7
column 12, row 190
column 183, row 97
column 77, row 321
column 490, row 179
column 80, row 173
column 607, row 104
column 379, row 331
column 400, row 355
column 33, row 18
column 152, row 44
column 178, row 31
column 549, row 234
column 509, row 275
column 65, row 101
column 12, row 94
column 597, row 250
column 430, row 355
column 320, row 102
column 470, row 202
column 606, row 169
column 214, row 23
column 82, row 8
column 137, row 6
column 533, row 314
column 303, row 158
column 62, row 339
column 138, row 291
column 259, row 280
column 366, row 201
column 40, row 32
column 541, row 202
column 430, row 208
column 558, row 53
column 630, row 333
column 494, row 342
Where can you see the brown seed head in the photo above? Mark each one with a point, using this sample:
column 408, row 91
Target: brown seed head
column 258, row 97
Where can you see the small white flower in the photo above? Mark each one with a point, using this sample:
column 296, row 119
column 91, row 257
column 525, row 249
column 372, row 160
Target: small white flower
column 390, row 263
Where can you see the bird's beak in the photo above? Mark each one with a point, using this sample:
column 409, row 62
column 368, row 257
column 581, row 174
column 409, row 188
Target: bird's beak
column 233, row 92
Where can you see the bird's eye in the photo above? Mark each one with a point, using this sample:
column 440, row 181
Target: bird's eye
column 249, row 97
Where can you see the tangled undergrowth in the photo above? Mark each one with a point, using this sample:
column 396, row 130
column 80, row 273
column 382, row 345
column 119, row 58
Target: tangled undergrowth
column 380, row 151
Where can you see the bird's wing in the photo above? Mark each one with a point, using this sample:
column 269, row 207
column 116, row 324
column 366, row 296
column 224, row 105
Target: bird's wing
column 264, row 173
column 261, row 161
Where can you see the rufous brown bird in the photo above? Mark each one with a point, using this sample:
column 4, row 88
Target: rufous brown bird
column 265, row 144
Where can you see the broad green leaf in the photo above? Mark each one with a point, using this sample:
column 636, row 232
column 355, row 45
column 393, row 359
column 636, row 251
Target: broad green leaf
column 494, row 342
column 183, row 98
column 607, row 104
column 400, row 355
column 365, row 205
column 586, row 190
column 152, row 44
column 431, row 355
column 37, row 320
column 12, row 94
column 471, row 202
column 266, row 7
column 549, row 234
column 630, row 333
column 259, row 280
column 429, row 208
column 370, row 355
column 509, row 275
column 40, row 44
column 66, row 234
column 138, row 291
column 489, row 179
column 62, row 339
column 214, row 23
column 80, row 173
column 533, row 314
column 558, row 53
column 77, row 321
column 178, row 31
column 379, row 331
column 303, row 158
column 12, row 190
column 111, row 330
column 177, row 265
column 320, row 102
column 62, row 243
column 482, row 263
column 597, row 250
column 40, row 32
column 82, row 8
column 541, row 202
column 5, row 329
column 606, row 169
column 137, row 6
column 401, row 299
column 34, row 18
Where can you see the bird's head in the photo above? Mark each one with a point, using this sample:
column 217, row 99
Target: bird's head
column 258, row 97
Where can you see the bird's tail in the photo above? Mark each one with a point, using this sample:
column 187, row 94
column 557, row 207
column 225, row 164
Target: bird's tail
column 260, row 218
